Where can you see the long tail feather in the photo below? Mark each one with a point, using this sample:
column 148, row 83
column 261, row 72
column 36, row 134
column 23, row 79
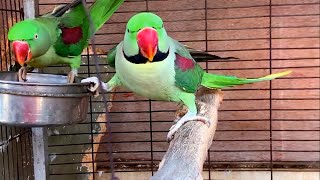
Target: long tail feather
column 221, row 81
column 102, row 10
column 60, row 10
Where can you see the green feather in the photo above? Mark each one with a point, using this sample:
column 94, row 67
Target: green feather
column 111, row 58
column 189, row 80
column 221, row 81
column 102, row 10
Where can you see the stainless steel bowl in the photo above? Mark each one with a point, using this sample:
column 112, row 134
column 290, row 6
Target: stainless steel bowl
column 44, row 100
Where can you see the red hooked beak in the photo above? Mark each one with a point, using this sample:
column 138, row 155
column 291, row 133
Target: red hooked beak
column 22, row 52
column 148, row 42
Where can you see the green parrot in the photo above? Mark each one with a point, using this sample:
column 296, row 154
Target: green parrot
column 152, row 64
column 58, row 37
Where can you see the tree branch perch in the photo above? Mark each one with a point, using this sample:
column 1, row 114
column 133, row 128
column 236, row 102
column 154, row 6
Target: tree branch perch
column 187, row 152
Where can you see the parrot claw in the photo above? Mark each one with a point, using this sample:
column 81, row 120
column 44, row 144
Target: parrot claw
column 94, row 84
column 22, row 74
column 93, row 88
column 186, row 118
column 71, row 75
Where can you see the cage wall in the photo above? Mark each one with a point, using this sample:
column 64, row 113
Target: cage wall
column 267, row 126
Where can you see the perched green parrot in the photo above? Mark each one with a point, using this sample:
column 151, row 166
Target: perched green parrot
column 153, row 65
column 58, row 37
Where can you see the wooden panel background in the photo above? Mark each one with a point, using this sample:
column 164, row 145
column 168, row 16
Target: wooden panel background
column 266, row 35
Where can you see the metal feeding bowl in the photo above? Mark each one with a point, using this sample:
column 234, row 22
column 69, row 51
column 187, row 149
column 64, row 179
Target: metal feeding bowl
column 44, row 100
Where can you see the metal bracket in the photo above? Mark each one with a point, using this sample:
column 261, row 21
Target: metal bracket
column 40, row 153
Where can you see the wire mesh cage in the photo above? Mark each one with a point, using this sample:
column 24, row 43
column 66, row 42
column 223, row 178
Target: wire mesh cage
column 268, row 127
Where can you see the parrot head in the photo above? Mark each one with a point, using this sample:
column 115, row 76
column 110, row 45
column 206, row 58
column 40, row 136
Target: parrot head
column 30, row 39
column 145, row 35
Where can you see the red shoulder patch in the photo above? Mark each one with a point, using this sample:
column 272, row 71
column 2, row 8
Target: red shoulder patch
column 71, row 35
column 184, row 63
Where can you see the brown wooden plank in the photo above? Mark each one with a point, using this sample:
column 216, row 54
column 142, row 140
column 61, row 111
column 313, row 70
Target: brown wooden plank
column 240, row 156
column 238, row 12
column 108, row 39
column 246, row 94
column 240, row 135
column 304, row 9
column 238, row 34
column 170, row 26
column 295, row 32
column 296, row 145
column 245, row 105
column 295, row 53
column 296, row 135
column 294, row 21
column 281, row 2
column 192, row 14
column 128, row 127
column 295, row 63
column 245, row 125
column 261, row 22
column 122, row 17
column 133, row 6
column 188, row 35
column 231, row 3
column 120, row 137
column 296, row 125
column 129, row 117
column 243, row 115
column 296, row 94
column 237, row 45
column 175, row 5
column 243, row 146
column 297, row 114
column 297, row 83
column 295, row 156
column 296, row 43
column 295, row 104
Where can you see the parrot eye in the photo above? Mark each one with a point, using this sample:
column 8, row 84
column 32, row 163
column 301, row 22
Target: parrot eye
column 36, row 36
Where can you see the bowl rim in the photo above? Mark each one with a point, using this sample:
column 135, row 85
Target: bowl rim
column 41, row 84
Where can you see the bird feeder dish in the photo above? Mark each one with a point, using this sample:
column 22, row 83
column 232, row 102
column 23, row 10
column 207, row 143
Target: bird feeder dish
column 43, row 100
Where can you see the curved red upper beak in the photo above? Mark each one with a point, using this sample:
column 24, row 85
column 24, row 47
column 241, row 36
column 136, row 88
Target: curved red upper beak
column 22, row 52
column 147, row 39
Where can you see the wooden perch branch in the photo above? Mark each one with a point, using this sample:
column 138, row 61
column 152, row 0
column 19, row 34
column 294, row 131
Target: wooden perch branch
column 187, row 152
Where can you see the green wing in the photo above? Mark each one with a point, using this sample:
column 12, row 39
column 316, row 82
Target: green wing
column 111, row 58
column 188, row 73
column 73, row 32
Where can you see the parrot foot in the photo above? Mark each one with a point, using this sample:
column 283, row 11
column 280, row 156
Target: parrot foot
column 186, row 118
column 22, row 74
column 71, row 75
column 94, row 84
